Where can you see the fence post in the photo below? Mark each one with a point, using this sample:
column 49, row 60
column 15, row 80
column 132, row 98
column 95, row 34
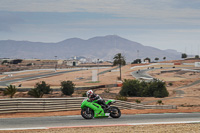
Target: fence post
column 17, row 104
column 60, row 104
column 43, row 105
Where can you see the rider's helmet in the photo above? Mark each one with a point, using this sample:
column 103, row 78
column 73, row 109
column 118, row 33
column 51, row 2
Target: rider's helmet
column 89, row 93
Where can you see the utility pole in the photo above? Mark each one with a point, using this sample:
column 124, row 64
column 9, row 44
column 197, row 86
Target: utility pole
column 138, row 56
column 98, row 69
column 56, row 62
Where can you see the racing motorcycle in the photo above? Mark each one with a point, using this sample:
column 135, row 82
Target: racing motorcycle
column 90, row 110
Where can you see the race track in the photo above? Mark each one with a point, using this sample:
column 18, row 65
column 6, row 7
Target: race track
column 7, row 82
column 71, row 121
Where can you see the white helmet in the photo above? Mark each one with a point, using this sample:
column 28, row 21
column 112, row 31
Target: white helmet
column 89, row 93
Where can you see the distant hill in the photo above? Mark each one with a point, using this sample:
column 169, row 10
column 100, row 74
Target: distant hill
column 102, row 47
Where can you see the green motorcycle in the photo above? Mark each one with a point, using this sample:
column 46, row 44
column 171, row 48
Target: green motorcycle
column 92, row 109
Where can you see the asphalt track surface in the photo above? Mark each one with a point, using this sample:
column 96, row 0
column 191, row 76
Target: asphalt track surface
column 78, row 121
column 142, row 73
column 31, row 77
column 7, row 82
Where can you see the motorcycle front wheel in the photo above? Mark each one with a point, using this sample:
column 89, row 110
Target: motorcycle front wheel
column 87, row 113
column 115, row 112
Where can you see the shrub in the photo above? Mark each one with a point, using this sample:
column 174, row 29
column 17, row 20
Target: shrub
column 10, row 90
column 123, row 98
column 130, row 87
column 5, row 61
column 137, row 61
column 36, row 92
column 84, row 94
column 170, row 84
column 138, row 88
column 160, row 102
column 29, row 64
column 40, row 89
column 67, row 87
column 137, row 101
column 107, row 90
column 158, row 89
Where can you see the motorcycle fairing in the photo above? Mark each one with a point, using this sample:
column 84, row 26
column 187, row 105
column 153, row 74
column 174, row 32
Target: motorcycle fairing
column 98, row 111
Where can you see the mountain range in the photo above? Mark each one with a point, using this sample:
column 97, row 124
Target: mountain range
column 101, row 47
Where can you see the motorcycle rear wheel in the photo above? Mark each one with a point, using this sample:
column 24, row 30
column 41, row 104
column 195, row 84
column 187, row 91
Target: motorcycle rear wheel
column 87, row 113
column 115, row 112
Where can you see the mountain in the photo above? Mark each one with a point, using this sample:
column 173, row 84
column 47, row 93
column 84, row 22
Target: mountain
column 102, row 47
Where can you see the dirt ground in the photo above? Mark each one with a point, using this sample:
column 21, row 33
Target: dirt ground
column 191, row 96
column 188, row 101
column 81, row 78
column 169, row 128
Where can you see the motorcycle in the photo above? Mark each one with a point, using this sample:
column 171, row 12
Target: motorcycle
column 90, row 110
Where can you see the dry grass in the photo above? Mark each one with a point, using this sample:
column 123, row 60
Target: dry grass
column 190, row 98
column 188, row 103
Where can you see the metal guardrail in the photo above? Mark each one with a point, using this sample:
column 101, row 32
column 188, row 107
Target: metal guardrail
column 24, row 89
column 24, row 105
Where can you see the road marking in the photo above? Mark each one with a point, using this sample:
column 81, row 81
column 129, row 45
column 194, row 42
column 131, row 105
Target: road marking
column 73, row 116
column 84, row 126
column 128, row 124
column 4, row 129
column 112, row 125
column 175, row 122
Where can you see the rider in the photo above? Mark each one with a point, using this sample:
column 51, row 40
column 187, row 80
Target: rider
column 90, row 94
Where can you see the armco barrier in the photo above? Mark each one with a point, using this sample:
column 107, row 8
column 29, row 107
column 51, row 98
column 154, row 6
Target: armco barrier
column 23, row 105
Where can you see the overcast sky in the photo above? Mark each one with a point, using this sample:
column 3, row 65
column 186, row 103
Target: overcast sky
column 165, row 24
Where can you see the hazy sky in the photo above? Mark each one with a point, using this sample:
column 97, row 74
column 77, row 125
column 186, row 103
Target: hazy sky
column 165, row 24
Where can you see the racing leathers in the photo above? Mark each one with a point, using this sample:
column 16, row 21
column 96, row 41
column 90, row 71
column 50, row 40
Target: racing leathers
column 99, row 100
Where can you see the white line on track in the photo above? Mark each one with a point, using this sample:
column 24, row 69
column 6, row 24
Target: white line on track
column 128, row 124
column 73, row 116
column 24, row 128
column 175, row 122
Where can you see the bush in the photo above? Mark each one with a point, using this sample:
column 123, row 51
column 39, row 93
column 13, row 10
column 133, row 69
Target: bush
column 170, row 84
column 4, row 62
column 29, row 64
column 67, row 87
column 137, row 61
column 130, row 87
column 137, row 101
column 107, row 90
column 40, row 89
column 160, row 102
column 123, row 98
column 138, row 88
column 84, row 94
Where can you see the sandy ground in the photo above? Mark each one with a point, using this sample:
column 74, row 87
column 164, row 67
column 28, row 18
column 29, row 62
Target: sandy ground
column 86, row 75
column 189, row 100
column 169, row 128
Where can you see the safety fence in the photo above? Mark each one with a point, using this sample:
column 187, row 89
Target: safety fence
column 25, row 105
column 25, row 89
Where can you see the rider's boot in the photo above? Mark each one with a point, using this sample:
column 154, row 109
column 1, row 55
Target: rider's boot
column 107, row 106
